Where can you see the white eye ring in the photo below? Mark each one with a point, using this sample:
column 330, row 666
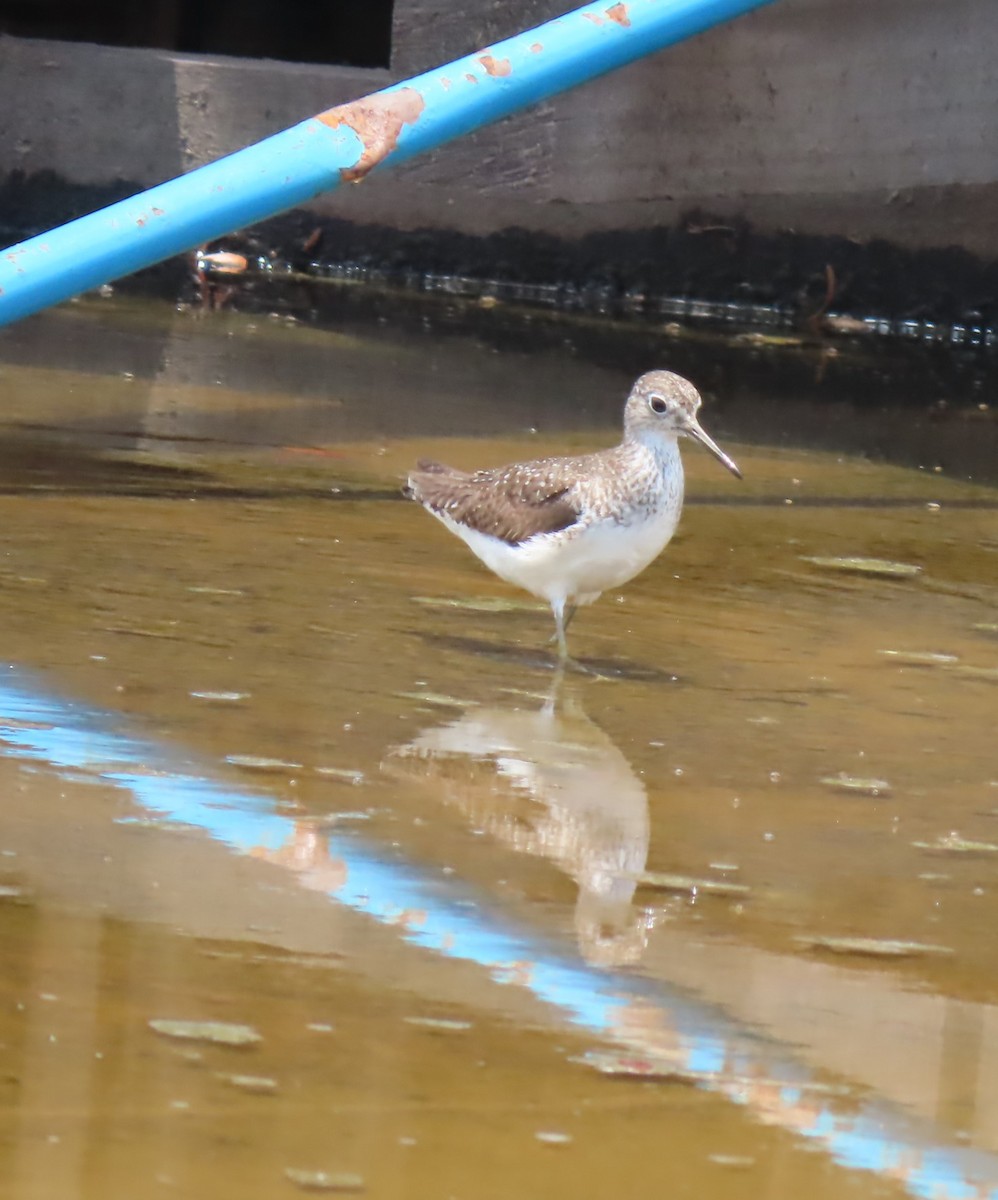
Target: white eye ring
column 657, row 403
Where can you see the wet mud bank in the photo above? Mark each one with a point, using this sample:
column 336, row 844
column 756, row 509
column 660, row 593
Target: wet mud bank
column 926, row 407
column 699, row 257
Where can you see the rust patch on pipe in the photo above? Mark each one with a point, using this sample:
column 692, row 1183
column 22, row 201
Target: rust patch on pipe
column 536, row 48
column 495, row 66
column 157, row 212
column 471, row 78
column 445, row 83
column 596, row 20
column 618, row 13
column 377, row 120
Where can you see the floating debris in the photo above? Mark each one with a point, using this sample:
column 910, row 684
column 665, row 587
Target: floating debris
column 136, row 631
column 11, row 891
column 551, row 1137
column 188, row 1054
column 767, row 339
column 846, row 326
column 664, row 881
column 325, row 1181
column 14, row 723
column 438, row 1023
column 221, row 1033
column 856, row 785
column 259, row 1085
column 731, row 1160
column 146, row 823
column 882, row 568
column 952, row 843
column 919, row 658
column 986, row 627
column 344, row 774
column 985, row 674
column 871, row 947
column 437, row 698
column 30, row 580
column 630, row 1065
column 254, row 762
column 221, row 697
column 218, row 262
column 483, row 604
column 526, row 694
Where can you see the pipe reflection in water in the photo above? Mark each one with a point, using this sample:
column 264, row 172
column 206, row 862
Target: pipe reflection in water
column 658, row 1026
column 586, row 810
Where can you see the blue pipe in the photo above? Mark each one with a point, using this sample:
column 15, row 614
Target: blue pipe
column 343, row 144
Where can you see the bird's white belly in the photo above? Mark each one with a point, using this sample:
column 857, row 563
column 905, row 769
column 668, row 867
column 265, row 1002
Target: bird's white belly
column 576, row 564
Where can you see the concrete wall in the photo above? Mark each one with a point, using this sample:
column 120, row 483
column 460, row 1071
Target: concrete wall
column 820, row 116
column 824, row 116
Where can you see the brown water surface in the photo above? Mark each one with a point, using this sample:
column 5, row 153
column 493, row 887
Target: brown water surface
column 205, row 555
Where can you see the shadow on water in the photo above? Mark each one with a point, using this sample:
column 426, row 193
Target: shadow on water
column 277, row 752
column 537, row 659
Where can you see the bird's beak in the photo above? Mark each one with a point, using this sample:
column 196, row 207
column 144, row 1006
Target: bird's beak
column 698, row 435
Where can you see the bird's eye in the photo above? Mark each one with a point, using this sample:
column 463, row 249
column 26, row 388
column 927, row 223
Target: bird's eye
column 657, row 404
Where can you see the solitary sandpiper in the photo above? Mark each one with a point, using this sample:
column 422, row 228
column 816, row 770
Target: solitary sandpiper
column 566, row 529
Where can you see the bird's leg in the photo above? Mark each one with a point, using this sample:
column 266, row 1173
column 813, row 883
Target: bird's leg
column 560, row 624
column 552, row 701
column 561, row 621
column 564, row 611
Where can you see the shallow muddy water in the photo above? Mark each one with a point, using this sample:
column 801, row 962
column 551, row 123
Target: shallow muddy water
column 714, row 918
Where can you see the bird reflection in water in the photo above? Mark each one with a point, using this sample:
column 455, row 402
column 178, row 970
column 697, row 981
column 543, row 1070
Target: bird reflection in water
column 547, row 781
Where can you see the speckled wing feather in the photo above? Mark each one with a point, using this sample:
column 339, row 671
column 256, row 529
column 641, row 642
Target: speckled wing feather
column 510, row 503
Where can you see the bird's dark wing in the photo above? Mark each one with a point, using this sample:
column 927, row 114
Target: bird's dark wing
column 510, row 503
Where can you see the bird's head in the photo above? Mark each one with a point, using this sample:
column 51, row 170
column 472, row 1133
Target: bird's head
column 663, row 404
